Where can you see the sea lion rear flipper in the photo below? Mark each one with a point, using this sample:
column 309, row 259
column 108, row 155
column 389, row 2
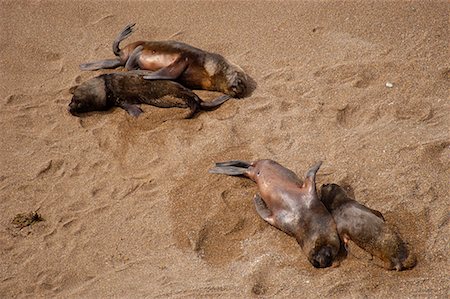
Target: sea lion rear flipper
column 122, row 35
column 132, row 62
column 262, row 209
column 101, row 64
column 228, row 170
column 170, row 72
column 133, row 110
column 237, row 163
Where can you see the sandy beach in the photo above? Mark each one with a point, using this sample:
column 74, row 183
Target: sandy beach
column 129, row 208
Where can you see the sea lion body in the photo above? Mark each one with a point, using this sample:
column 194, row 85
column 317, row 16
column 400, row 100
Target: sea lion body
column 291, row 205
column 173, row 60
column 366, row 228
column 128, row 89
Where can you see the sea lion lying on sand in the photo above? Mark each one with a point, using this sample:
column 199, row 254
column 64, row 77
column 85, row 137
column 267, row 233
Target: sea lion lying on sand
column 192, row 67
column 367, row 228
column 291, row 206
column 127, row 89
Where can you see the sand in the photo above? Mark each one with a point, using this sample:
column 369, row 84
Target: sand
column 129, row 208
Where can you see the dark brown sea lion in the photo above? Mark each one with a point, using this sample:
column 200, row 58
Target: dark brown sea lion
column 367, row 228
column 291, row 206
column 128, row 89
column 192, row 67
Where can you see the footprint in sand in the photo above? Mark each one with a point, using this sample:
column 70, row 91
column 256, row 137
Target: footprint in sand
column 53, row 167
column 358, row 75
column 347, row 116
column 414, row 109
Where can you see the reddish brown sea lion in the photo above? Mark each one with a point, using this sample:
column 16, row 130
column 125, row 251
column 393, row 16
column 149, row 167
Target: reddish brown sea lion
column 291, row 205
column 192, row 67
column 128, row 89
column 367, row 228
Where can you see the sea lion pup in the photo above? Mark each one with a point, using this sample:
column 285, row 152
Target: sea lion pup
column 177, row 61
column 291, row 206
column 367, row 228
column 127, row 89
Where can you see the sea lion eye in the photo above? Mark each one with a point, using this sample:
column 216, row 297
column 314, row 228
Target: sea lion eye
column 258, row 173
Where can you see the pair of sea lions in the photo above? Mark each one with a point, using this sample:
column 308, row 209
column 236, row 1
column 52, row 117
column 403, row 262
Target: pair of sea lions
column 163, row 60
column 291, row 205
column 129, row 89
column 318, row 225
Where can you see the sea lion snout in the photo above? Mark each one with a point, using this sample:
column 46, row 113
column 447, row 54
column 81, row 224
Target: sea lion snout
column 237, row 83
column 77, row 106
column 73, row 107
column 323, row 258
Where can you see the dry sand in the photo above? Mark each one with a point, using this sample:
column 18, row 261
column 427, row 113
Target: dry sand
column 129, row 207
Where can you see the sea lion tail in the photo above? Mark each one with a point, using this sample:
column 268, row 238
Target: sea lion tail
column 127, row 31
column 214, row 103
column 310, row 177
column 233, row 167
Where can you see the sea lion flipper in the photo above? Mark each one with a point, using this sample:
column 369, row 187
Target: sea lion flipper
column 133, row 110
column 122, row 35
column 170, row 72
column 377, row 213
column 214, row 103
column 237, row 163
column 228, row 170
column 101, row 64
column 262, row 209
column 132, row 62
column 310, row 177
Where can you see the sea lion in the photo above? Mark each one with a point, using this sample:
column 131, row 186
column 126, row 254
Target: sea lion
column 127, row 89
column 190, row 66
column 290, row 205
column 367, row 228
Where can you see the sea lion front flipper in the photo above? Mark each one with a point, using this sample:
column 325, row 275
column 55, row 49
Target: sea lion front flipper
column 262, row 209
column 310, row 177
column 101, row 64
column 132, row 62
column 214, row 103
column 377, row 213
column 170, row 72
column 133, row 110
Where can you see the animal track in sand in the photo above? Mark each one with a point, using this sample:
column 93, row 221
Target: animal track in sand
column 414, row 109
column 15, row 99
column 223, row 221
column 54, row 167
column 346, row 117
column 359, row 75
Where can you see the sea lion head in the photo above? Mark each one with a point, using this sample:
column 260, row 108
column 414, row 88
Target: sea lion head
column 323, row 256
column 89, row 96
column 332, row 195
column 227, row 77
column 237, row 81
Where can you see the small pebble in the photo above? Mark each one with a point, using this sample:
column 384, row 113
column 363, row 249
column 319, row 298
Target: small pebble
column 389, row 84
